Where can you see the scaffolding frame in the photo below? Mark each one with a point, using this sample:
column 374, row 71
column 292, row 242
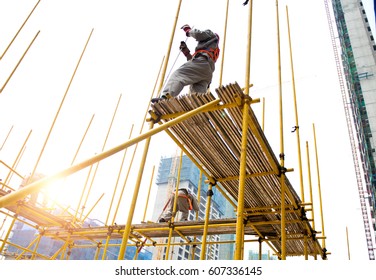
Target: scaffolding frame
column 223, row 138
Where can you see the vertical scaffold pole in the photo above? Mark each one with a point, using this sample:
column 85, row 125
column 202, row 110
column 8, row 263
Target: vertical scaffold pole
column 176, row 197
column 296, row 110
column 198, row 212
column 347, row 242
column 19, row 30
column 282, row 155
column 224, row 45
column 127, row 229
column 61, row 104
column 319, row 188
column 239, row 240
column 310, row 185
column 6, row 138
column 206, row 224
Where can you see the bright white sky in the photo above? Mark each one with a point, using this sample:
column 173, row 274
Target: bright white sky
column 123, row 57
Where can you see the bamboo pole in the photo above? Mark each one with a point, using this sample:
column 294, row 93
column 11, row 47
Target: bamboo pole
column 19, row 62
column 13, row 197
column 82, row 139
column 103, row 147
column 19, row 30
column 347, row 243
column 198, row 212
column 148, row 195
column 61, row 105
column 27, row 249
column 118, row 179
column 263, row 114
column 6, row 138
column 243, row 157
column 297, row 129
column 319, row 188
column 136, row 147
column 310, row 186
column 34, row 254
column 282, row 155
column 12, row 170
column 92, row 208
column 174, row 208
column 206, row 224
column 224, row 44
column 9, row 231
column 146, row 148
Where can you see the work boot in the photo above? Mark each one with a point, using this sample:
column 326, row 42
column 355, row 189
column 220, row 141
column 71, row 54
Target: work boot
column 163, row 97
column 162, row 220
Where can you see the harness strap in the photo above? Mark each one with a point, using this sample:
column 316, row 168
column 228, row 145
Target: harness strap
column 213, row 53
column 189, row 200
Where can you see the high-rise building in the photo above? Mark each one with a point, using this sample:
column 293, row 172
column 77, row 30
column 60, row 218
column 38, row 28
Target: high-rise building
column 355, row 53
column 220, row 208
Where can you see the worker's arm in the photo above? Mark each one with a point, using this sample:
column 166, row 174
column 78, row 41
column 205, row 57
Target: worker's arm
column 198, row 34
column 195, row 205
column 201, row 35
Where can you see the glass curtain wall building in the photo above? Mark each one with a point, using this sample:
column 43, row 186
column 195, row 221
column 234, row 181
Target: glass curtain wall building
column 190, row 179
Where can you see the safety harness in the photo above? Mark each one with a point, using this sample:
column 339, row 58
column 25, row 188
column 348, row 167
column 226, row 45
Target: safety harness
column 188, row 199
column 212, row 53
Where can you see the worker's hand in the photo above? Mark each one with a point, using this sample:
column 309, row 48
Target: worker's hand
column 184, row 49
column 183, row 45
column 186, row 29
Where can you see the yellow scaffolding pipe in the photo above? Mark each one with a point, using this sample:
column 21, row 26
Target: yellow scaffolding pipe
column 224, row 44
column 319, row 188
column 198, row 212
column 118, row 179
column 60, row 106
column 18, row 63
column 136, row 147
column 19, row 30
column 296, row 128
column 148, row 195
column 310, row 185
column 103, row 147
column 6, row 138
column 282, row 156
column 146, row 148
column 243, row 156
column 35, row 186
column 206, row 224
column 148, row 134
column 174, row 206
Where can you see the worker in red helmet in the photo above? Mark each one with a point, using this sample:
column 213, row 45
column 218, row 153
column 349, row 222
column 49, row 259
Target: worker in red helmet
column 198, row 70
column 186, row 201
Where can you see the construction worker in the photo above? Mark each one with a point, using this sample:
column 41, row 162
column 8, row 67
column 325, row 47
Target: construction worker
column 186, row 201
column 198, row 70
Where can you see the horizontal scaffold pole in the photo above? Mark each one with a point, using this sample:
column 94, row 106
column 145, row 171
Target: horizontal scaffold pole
column 36, row 186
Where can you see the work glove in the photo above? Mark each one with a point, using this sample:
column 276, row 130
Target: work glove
column 186, row 29
column 184, row 49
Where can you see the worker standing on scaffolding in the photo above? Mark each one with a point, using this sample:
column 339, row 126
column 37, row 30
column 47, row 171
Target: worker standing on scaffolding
column 198, row 70
column 185, row 202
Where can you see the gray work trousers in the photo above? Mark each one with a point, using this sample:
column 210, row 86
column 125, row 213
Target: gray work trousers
column 182, row 205
column 197, row 73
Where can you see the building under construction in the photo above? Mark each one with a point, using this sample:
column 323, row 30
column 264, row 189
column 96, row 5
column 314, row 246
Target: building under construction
column 220, row 133
column 354, row 51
